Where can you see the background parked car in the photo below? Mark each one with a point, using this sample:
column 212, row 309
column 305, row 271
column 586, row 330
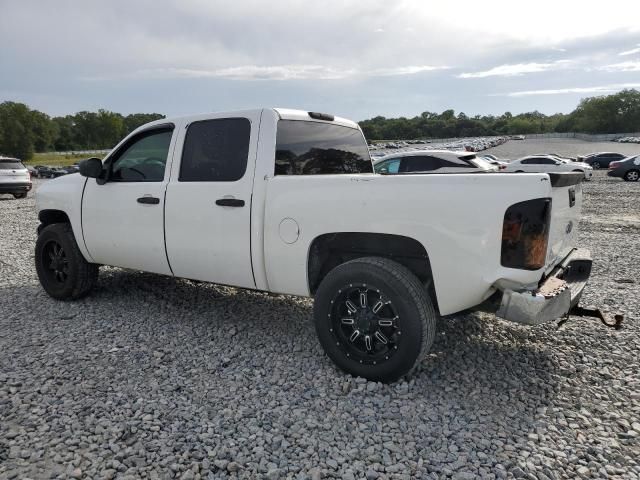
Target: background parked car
column 601, row 159
column 546, row 164
column 493, row 160
column 71, row 169
column 627, row 169
column 43, row 171
column 562, row 157
column 14, row 177
column 432, row 161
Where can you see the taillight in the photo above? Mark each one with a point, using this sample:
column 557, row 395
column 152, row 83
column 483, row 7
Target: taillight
column 525, row 234
column 613, row 165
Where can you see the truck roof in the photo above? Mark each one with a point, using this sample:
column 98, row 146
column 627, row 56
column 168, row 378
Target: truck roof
column 289, row 114
column 283, row 113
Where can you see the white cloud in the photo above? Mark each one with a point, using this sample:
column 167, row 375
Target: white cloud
column 269, row 72
column 516, row 69
column 630, row 52
column 562, row 91
column 622, row 67
column 409, row 70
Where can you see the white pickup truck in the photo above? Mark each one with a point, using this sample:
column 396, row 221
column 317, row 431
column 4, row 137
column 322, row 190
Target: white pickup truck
column 286, row 201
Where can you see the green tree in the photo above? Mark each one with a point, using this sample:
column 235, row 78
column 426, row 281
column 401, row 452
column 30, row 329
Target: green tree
column 16, row 134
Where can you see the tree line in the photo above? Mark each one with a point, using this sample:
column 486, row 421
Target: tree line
column 617, row 113
column 24, row 131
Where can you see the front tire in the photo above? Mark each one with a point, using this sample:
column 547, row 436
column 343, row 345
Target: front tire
column 374, row 318
column 62, row 270
column 596, row 165
column 632, row 176
column 20, row 195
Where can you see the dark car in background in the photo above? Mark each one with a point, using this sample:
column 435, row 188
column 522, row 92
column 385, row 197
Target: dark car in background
column 601, row 159
column 44, row 172
column 432, row 161
column 627, row 169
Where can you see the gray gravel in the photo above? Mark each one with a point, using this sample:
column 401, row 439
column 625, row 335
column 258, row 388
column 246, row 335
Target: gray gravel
column 152, row 377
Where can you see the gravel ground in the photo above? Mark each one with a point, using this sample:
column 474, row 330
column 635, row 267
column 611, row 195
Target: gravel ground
column 152, row 377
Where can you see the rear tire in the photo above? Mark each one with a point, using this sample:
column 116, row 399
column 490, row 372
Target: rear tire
column 389, row 309
column 20, row 195
column 632, row 176
column 62, row 270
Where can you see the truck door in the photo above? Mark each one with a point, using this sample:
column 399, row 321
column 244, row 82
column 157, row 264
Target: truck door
column 208, row 209
column 122, row 219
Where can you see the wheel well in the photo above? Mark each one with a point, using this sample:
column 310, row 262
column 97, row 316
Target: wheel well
column 332, row 249
column 48, row 217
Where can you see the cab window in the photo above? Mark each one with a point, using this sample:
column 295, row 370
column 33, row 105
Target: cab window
column 143, row 158
column 319, row 148
column 216, row 150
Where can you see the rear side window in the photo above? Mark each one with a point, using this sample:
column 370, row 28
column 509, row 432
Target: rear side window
column 428, row 163
column 314, row 148
column 216, row 150
column 538, row 161
column 11, row 165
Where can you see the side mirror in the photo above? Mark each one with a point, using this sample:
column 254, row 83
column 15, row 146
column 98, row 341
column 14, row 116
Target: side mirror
column 91, row 167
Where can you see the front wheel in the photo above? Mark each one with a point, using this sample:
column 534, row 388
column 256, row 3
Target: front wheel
column 20, row 195
column 62, row 270
column 632, row 176
column 596, row 165
column 374, row 318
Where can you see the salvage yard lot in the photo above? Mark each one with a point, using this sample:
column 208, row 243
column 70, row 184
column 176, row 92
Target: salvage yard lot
column 159, row 378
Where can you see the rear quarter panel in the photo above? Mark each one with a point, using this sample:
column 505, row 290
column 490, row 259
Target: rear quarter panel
column 457, row 218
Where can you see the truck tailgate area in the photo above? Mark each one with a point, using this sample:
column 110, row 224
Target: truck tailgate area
column 566, row 208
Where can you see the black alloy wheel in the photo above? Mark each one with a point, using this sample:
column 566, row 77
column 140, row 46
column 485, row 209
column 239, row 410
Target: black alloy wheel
column 56, row 263
column 365, row 324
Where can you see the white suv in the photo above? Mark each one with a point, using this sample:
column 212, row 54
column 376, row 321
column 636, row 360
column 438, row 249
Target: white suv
column 14, row 177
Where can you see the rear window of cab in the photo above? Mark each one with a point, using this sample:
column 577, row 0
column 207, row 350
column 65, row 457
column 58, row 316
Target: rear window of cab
column 11, row 165
column 319, row 148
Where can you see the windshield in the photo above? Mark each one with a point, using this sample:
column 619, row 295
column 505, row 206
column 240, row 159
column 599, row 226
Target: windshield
column 483, row 163
column 11, row 165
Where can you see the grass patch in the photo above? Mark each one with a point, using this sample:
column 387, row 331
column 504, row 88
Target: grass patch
column 53, row 160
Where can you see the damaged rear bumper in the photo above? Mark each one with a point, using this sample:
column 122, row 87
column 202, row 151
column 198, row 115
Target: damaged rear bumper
column 555, row 297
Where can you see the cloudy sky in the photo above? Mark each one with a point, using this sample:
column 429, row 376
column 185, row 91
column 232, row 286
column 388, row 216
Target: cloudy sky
column 352, row 58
